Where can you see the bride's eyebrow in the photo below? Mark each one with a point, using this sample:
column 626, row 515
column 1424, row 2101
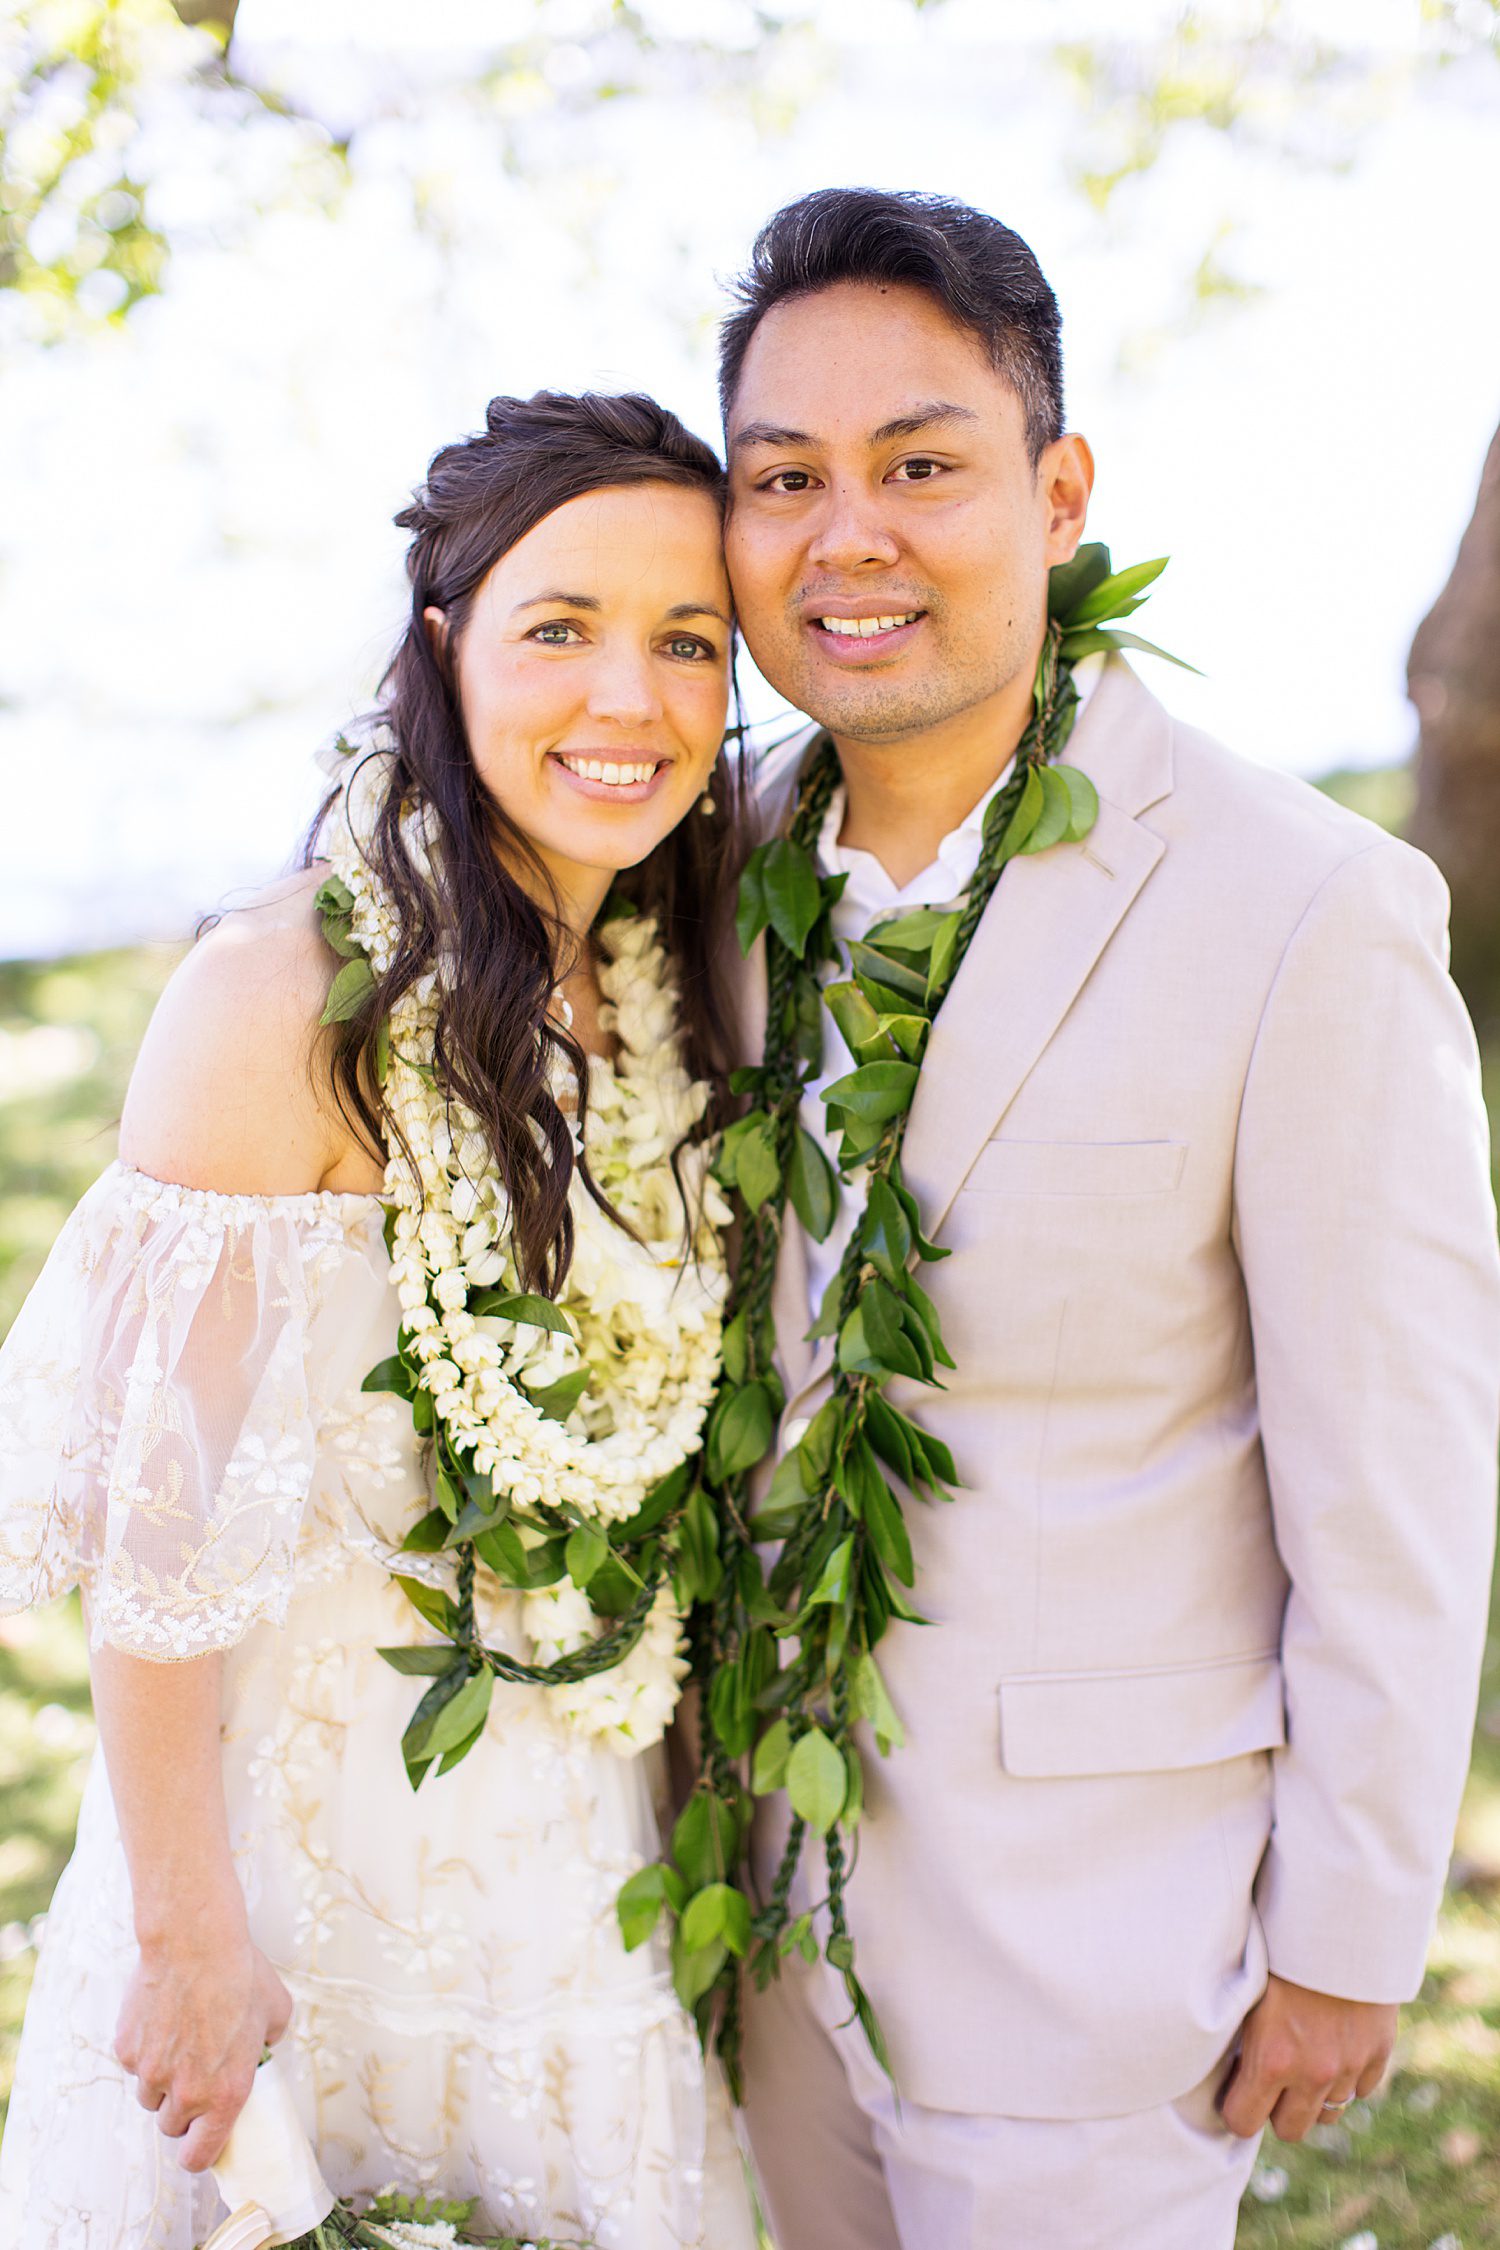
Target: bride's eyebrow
column 696, row 609
column 562, row 600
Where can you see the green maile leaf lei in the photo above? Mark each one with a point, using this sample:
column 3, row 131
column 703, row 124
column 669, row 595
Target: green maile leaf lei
column 845, row 1569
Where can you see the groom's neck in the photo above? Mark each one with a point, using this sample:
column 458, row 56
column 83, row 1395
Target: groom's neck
column 905, row 793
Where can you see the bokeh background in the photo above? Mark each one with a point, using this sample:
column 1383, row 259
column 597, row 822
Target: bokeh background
column 258, row 261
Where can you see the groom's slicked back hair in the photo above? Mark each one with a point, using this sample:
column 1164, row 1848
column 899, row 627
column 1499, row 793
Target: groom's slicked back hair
column 984, row 276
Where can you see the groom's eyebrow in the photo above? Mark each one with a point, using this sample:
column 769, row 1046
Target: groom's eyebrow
column 923, row 417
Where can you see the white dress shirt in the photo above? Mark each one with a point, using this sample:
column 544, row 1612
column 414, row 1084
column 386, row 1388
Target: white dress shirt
column 869, row 893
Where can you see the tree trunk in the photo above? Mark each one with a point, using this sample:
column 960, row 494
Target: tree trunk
column 209, row 11
column 1453, row 678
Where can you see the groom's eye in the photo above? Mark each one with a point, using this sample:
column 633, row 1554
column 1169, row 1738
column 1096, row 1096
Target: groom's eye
column 915, row 472
column 787, row 480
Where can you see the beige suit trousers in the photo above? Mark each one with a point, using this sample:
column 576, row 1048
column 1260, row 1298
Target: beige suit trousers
column 843, row 2168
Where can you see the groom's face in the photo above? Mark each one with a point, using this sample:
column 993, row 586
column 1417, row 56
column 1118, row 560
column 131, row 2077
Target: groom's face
column 889, row 536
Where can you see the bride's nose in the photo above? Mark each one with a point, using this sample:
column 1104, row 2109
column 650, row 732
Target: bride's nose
column 622, row 687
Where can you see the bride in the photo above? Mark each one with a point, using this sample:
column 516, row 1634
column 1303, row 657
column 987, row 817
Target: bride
column 434, row 1059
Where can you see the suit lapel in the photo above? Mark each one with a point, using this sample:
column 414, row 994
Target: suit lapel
column 1045, row 928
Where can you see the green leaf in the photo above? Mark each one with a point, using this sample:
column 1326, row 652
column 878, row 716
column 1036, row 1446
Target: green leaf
column 1070, row 583
column 1027, row 813
column 587, row 1548
column 464, row 1715
column 740, row 1430
column 515, row 1564
column 333, row 896
column 429, row 1658
column 756, row 1169
column 870, row 1699
column 1149, row 648
column 940, row 960
column 858, row 1353
column 811, row 1187
column 854, row 1802
column 751, row 912
column 557, row 1400
column 768, row 1768
column 872, row 968
column 886, row 1429
column 926, row 1251
column 706, row 1839
column 817, row 1781
column 881, row 1315
column 349, row 991
column 875, row 1092
column 1056, row 813
column 857, row 1021
column 1085, row 802
column 392, row 1374
column 416, row 1757
column 700, row 1571
column 909, row 1034
column 927, row 1313
column 793, row 899
column 428, row 1602
column 833, row 1579
column 720, row 1911
column 427, row 1534
column 788, row 1495
column 888, row 1533
column 885, row 1235
column 695, row 1972
column 936, row 1459
column 1107, row 598
column 525, row 1308
column 639, row 1902
column 663, row 1500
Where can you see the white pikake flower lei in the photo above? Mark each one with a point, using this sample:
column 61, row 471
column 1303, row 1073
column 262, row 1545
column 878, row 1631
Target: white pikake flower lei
column 645, row 1324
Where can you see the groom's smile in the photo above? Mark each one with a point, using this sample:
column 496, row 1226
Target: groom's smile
column 889, row 529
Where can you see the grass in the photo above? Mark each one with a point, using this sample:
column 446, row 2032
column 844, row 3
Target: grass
column 1417, row 2166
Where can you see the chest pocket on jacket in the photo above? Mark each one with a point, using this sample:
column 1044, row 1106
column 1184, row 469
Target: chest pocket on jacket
column 1076, row 1168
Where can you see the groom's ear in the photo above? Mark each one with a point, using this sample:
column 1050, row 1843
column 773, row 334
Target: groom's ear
column 1065, row 479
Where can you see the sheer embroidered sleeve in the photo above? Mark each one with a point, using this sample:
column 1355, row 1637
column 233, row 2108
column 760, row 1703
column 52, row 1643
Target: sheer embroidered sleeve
column 159, row 1407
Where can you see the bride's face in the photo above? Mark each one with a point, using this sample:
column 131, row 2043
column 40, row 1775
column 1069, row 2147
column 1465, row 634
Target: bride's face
column 593, row 675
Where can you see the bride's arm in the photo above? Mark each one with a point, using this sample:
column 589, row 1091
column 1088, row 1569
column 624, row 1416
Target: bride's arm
column 203, row 2002
column 225, row 1096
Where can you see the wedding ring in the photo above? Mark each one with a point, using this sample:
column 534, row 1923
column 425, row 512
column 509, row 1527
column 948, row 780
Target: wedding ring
column 1344, row 2104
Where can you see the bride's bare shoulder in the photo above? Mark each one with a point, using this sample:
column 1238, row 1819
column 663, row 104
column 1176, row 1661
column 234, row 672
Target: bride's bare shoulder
column 230, row 1087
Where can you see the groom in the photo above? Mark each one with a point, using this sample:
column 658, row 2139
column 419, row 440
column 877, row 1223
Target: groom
column 1201, row 1130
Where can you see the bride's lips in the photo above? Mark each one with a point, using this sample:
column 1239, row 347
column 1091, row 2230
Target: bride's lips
column 600, row 791
column 860, row 647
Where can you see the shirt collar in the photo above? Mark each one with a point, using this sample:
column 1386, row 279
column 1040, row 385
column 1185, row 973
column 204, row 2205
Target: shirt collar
column 957, row 855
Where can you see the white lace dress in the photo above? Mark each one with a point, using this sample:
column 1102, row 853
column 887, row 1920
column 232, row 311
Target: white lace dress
column 183, row 1433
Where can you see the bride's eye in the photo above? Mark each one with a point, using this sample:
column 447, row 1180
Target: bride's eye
column 689, row 647
column 553, row 634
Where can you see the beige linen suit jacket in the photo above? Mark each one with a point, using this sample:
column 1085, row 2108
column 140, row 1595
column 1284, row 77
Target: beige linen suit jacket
column 1200, row 1125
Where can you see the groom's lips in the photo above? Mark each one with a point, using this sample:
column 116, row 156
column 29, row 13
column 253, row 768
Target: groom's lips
column 874, row 639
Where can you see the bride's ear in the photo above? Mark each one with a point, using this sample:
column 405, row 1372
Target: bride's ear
column 436, row 622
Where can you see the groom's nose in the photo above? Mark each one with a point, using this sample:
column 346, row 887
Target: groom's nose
column 851, row 531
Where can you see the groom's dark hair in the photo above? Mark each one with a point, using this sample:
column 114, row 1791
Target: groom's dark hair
column 984, row 277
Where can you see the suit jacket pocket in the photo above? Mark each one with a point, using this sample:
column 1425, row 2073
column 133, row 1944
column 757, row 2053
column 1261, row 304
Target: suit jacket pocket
column 1055, row 1724
column 1076, row 1168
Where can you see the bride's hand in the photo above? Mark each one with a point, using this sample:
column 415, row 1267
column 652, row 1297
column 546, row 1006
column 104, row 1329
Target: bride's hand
column 203, row 2004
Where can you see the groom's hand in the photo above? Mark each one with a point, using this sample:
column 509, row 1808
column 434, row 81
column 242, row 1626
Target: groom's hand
column 1300, row 2050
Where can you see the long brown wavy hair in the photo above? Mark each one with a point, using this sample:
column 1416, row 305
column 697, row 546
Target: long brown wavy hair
column 495, row 1039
